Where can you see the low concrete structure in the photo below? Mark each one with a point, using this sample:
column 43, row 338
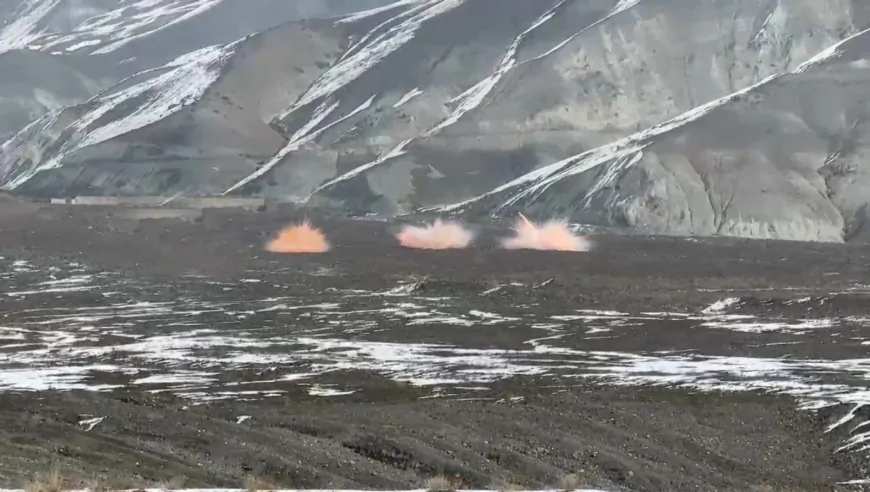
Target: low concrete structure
column 181, row 202
column 151, row 213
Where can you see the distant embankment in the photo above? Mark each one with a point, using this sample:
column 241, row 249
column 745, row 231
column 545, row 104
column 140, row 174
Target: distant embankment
column 159, row 201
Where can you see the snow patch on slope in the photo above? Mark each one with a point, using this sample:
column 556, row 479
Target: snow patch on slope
column 828, row 54
column 350, row 68
column 368, row 13
column 621, row 7
column 397, row 151
column 304, row 135
column 472, row 98
column 126, row 21
column 15, row 175
column 407, row 97
column 23, row 30
column 185, row 84
column 82, row 45
column 150, row 14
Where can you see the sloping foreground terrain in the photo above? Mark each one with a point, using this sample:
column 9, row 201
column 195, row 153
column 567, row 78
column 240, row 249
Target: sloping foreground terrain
column 151, row 351
column 742, row 118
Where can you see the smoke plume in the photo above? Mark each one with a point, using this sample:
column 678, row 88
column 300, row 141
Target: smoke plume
column 299, row 238
column 551, row 236
column 438, row 235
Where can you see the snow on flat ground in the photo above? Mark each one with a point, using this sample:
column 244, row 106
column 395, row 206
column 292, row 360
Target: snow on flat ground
column 101, row 322
column 72, row 327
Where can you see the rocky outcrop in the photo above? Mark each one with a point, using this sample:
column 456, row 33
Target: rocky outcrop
column 741, row 118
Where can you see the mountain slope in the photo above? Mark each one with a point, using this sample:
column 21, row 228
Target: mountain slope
column 782, row 159
column 113, row 40
column 34, row 83
column 702, row 118
column 132, row 29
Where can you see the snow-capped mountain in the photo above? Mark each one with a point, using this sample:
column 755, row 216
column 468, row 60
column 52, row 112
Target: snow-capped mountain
column 742, row 118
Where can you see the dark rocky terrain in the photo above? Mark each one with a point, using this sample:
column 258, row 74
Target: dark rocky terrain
column 162, row 345
column 149, row 351
column 740, row 118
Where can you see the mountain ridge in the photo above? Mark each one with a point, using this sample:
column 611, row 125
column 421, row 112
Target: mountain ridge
column 419, row 105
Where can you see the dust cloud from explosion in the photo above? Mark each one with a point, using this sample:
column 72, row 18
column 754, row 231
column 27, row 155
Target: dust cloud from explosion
column 299, row 238
column 550, row 236
column 554, row 235
column 439, row 235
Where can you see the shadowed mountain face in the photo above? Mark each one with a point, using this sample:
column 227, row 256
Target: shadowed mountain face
column 741, row 117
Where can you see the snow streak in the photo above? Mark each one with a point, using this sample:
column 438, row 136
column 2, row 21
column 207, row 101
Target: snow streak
column 473, row 97
column 110, row 30
column 303, row 136
column 365, row 54
column 168, row 93
column 468, row 100
column 624, row 153
column 350, row 68
column 368, row 13
column 24, row 29
column 184, row 81
column 830, row 53
column 534, row 183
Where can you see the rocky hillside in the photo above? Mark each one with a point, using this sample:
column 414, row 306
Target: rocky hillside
column 739, row 117
column 58, row 53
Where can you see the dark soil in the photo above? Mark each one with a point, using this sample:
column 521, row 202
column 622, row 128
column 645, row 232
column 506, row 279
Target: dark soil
column 638, row 439
column 394, row 435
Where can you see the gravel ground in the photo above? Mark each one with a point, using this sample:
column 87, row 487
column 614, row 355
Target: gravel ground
column 156, row 351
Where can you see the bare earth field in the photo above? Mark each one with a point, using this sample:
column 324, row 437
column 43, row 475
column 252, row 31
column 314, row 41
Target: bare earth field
column 149, row 351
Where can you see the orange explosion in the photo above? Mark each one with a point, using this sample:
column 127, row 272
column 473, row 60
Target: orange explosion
column 299, row 238
column 552, row 236
column 439, row 235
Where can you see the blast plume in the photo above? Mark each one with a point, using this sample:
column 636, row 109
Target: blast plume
column 551, row 236
column 299, row 238
column 438, row 235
